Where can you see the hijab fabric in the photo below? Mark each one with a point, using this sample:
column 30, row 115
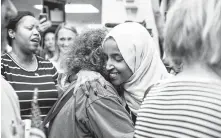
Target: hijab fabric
column 140, row 53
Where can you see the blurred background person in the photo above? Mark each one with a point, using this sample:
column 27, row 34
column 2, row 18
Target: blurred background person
column 64, row 38
column 11, row 123
column 160, row 10
column 51, row 51
column 10, row 111
column 188, row 104
column 211, row 37
column 24, row 70
column 8, row 11
column 98, row 112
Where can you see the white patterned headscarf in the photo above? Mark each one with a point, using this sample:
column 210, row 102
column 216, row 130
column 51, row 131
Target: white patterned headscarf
column 140, row 53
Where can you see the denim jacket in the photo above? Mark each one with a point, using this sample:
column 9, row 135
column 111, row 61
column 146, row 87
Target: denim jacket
column 96, row 113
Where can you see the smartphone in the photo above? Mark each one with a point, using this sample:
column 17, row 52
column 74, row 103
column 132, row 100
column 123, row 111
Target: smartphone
column 42, row 16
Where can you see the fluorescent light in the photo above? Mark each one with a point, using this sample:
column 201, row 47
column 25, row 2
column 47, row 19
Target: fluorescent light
column 39, row 7
column 80, row 8
column 76, row 8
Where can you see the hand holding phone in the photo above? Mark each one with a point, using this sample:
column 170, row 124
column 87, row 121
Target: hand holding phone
column 43, row 17
column 44, row 22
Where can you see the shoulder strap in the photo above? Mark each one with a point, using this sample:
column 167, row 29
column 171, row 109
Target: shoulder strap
column 53, row 112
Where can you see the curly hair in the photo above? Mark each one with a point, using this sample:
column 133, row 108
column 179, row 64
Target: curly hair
column 87, row 53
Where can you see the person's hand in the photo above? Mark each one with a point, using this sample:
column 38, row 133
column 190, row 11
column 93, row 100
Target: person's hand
column 87, row 79
column 36, row 133
column 44, row 25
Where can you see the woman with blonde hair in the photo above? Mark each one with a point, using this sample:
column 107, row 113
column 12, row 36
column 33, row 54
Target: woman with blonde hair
column 212, row 35
column 65, row 35
column 64, row 39
column 187, row 105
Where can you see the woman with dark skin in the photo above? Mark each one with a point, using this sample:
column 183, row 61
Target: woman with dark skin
column 96, row 113
column 24, row 70
column 11, row 123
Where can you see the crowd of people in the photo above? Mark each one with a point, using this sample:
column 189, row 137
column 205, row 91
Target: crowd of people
column 114, row 83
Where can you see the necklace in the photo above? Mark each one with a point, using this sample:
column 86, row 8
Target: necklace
column 28, row 66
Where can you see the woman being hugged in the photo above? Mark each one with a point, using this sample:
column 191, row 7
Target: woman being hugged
column 133, row 62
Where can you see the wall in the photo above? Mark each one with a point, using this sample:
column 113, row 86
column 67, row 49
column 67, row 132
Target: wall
column 114, row 11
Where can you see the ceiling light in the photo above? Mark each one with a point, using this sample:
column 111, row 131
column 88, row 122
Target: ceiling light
column 76, row 8
column 80, row 8
column 39, row 7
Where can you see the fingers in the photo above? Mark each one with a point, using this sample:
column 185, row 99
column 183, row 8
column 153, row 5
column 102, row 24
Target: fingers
column 84, row 90
column 72, row 77
column 43, row 20
column 87, row 85
column 87, row 80
column 44, row 25
column 91, row 79
column 102, row 81
column 36, row 133
column 93, row 85
column 92, row 76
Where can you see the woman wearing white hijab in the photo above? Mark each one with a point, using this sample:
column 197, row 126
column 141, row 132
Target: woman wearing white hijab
column 133, row 62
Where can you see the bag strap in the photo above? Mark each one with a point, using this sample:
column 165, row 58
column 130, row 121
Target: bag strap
column 54, row 111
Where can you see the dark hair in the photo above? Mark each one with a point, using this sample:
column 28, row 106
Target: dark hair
column 50, row 30
column 14, row 22
column 87, row 53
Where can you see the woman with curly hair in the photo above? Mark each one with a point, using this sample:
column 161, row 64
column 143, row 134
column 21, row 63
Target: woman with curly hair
column 98, row 112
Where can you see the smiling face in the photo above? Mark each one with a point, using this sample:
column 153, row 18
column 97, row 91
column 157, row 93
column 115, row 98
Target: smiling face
column 65, row 39
column 26, row 36
column 49, row 41
column 119, row 72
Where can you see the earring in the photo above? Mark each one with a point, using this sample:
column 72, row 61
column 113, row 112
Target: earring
column 12, row 36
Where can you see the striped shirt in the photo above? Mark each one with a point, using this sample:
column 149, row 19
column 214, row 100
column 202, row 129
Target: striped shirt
column 178, row 108
column 24, row 82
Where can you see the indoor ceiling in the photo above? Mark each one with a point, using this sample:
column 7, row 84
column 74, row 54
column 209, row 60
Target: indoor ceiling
column 76, row 18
